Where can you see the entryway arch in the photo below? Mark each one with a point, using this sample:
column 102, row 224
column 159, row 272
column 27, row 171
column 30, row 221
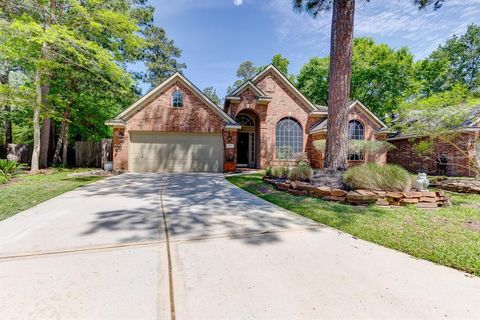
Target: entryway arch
column 247, row 140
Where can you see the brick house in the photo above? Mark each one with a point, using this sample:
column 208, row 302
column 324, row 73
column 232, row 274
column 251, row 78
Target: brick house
column 266, row 121
column 445, row 158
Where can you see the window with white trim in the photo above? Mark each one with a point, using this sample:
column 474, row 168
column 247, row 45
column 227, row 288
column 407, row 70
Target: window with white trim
column 288, row 139
column 177, row 99
column 356, row 131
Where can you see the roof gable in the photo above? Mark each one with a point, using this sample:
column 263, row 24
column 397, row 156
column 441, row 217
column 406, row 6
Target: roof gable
column 286, row 82
column 322, row 126
column 248, row 85
column 153, row 94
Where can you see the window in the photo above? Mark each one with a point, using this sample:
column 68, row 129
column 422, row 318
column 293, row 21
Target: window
column 355, row 132
column 289, row 139
column 245, row 120
column 177, row 99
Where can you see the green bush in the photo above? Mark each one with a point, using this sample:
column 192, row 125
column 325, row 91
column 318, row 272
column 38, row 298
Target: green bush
column 277, row 172
column 372, row 176
column 7, row 169
column 301, row 172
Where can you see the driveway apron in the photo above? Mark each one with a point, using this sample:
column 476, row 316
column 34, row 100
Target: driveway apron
column 101, row 252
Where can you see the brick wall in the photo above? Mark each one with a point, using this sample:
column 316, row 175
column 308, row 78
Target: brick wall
column 160, row 116
column 283, row 104
column 458, row 163
column 370, row 131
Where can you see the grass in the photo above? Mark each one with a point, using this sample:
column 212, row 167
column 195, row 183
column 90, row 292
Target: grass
column 448, row 236
column 26, row 191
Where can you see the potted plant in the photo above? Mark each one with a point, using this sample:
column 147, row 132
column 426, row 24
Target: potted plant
column 230, row 165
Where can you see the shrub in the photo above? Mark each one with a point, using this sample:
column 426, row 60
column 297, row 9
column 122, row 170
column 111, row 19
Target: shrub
column 301, row 172
column 372, row 176
column 7, row 169
column 279, row 172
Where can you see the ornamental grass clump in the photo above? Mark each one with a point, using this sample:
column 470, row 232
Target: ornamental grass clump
column 7, row 169
column 301, row 172
column 277, row 172
column 373, row 176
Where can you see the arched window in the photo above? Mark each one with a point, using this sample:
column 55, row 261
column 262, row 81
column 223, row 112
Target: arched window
column 245, row 120
column 177, row 99
column 356, row 132
column 289, row 138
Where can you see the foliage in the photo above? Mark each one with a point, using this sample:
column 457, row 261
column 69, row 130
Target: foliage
column 372, row 176
column 301, row 172
column 312, row 80
column 455, row 62
column 437, row 123
column 443, row 236
column 211, row 93
column 246, row 70
column 281, row 63
column 7, row 169
column 160, row 56
column 360, row 146
column 277, row 171
column 381, row 76
column 284, row 153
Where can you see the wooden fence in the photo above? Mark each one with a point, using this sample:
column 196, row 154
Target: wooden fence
column 18, row 152
column 93, row 154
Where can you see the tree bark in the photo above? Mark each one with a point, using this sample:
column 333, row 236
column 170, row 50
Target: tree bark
column 36, row 122
column 336, row 150
column 62, row 136
column 65, row 145
column 8, row 126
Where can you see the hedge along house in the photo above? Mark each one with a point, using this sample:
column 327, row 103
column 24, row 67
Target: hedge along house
column 266, row 121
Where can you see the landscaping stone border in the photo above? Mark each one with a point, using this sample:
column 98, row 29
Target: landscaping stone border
column 424, row 199
column 459, row 185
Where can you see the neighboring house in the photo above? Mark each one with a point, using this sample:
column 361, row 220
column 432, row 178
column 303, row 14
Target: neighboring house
column 266, row 121
column 445, row 158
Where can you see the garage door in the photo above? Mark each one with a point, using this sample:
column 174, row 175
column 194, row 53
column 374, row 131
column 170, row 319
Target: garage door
column 175, row 152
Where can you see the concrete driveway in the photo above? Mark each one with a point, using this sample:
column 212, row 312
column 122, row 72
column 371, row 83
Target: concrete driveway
column 147, row 246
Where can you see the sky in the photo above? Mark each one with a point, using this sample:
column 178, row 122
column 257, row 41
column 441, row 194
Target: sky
column 217, row 35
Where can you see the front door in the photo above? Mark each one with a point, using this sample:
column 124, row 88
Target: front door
column 242, row 149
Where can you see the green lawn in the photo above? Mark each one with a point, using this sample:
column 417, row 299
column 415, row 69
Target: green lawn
column 448, row 236
column 26, row 191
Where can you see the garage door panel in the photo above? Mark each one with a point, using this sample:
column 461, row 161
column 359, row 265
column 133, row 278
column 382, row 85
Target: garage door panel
column 175, row 152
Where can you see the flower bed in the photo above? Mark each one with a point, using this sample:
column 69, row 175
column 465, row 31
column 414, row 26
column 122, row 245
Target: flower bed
column 423, row 199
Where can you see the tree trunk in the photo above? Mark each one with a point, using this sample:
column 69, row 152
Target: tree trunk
column 8, row 126
column 65, row 145
column 61, row 137
column 336, row 150
column 36, row 122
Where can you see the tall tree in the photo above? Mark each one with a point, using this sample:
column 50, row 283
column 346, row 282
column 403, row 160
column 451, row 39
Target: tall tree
column 336, row 152
column 455, row 62
column 381, row 76
column 245, row 71
column 160, row 56
column 281, row 63
column 94, row 36
column 211, row 93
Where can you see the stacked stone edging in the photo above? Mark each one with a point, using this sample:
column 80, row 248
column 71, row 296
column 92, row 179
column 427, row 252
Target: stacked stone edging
column 424, row 199
column 459, row 185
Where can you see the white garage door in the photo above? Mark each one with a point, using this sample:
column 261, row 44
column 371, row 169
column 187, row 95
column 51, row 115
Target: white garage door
column 175, row 152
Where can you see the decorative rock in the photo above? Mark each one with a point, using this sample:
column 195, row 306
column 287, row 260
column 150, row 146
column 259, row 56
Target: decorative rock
column 408, row 201
column 305, row 186
column 382, row 202
column 293, row 185
column 380, row 194
column 427, row 205
column 429, row 194
column 338, row 193
column 428, row 199
column 322, row 191
column 282, row 186
column 335, row 198
column 368, row 195
column 297, row 192
column 394, row 195
column 412, row 194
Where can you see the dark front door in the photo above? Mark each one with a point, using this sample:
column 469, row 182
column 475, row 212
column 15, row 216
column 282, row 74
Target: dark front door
column 242, row 148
